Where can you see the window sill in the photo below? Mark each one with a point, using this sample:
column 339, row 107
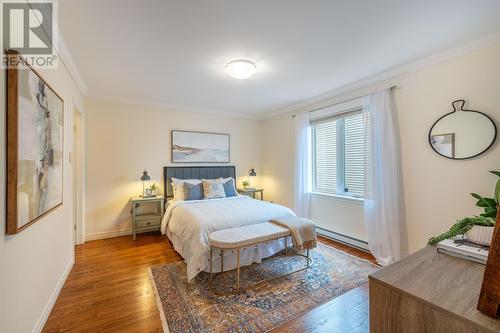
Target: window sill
column 339, row 197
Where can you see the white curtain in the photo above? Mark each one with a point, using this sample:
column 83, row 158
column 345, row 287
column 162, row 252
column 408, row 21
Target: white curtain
column 302, row 164
column 383, row 200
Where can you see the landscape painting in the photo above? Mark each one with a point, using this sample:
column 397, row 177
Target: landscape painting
column 200, row 147
column 35, row 127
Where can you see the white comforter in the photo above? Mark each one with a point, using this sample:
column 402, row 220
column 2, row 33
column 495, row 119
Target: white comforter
column 188, row 224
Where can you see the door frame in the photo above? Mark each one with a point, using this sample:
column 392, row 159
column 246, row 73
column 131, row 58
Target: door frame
column 78, row 166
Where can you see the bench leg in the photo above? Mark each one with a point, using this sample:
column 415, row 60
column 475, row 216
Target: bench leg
column 221, row 261
column 238, row 268
column 211, row 258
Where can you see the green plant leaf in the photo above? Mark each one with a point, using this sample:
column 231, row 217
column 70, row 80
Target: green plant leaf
column 497, row 192
column 496, row 173
column 477, row 196
column 490, row 209
column 491, row 214
column 487, row 202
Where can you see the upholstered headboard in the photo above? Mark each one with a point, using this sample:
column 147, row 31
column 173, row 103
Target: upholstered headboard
column 195, row 172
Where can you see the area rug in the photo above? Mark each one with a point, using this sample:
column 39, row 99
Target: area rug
column 200, row 306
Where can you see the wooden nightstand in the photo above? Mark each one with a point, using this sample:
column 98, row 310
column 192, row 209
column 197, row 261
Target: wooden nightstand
column 147, row 220
column 251, row 192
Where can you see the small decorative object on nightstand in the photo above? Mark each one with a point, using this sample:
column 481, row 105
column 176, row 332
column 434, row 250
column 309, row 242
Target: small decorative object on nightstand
column 147, row 220
column 251, row 192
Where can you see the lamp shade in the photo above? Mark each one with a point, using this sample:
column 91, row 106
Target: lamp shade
column 145, row 176
column 252, row 172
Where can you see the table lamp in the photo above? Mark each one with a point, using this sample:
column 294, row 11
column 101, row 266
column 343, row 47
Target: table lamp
column 145, row 177
column 251, row 173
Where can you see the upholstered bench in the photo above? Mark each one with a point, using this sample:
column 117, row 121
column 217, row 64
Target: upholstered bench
column 243, row 237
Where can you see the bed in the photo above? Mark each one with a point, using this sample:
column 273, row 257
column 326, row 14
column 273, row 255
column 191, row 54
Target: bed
column 188, row 223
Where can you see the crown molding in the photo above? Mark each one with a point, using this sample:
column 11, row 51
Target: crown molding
column 171, row 107
column 350, row 87
column 70, row 65
column 387, row 74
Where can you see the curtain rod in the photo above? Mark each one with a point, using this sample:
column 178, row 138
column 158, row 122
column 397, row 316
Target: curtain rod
column 344, row 101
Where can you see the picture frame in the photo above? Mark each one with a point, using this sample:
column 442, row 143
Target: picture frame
column 35, row 159
column 200, row 147
column 443, row 144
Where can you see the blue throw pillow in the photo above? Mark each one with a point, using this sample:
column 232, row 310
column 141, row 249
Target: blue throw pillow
column 193, row 191
column 229, row 188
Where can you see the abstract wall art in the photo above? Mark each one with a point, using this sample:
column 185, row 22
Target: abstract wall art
column 35, row 134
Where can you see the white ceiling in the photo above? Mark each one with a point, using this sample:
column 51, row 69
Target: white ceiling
column 173, row 53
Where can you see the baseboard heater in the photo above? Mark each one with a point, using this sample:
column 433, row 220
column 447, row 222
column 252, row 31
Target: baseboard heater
column 347, row 240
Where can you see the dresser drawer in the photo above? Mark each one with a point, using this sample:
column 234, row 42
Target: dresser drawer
column 148, row 224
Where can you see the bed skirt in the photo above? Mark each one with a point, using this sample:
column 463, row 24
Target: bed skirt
column 250, row 255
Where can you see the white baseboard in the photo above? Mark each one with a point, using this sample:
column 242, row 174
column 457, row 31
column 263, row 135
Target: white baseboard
column 53, row 298
column 354, row 242
column 108, row 234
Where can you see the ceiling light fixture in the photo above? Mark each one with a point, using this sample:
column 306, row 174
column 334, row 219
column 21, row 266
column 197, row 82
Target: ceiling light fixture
column 241, row 68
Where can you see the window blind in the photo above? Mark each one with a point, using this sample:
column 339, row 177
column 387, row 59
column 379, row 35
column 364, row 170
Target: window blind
column 354, row 154
column 338, row 154
column 325, row 157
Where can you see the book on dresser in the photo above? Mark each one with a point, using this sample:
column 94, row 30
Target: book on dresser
column 461, row 248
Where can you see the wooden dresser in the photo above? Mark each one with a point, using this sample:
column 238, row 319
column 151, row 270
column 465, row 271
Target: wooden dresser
column 428, row 292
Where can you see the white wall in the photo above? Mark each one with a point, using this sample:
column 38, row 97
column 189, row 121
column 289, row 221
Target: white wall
column 34, row 263
column 341, row 215
column 123, row 139
column 436, row 189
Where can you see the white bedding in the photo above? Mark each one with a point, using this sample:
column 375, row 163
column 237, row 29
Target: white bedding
column 188, row 224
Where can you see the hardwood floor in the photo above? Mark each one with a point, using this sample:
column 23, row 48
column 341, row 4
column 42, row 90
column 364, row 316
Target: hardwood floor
column 108, row 290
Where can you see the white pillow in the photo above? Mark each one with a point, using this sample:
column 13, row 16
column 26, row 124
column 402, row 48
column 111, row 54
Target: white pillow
column 213, row 188
column 216, row 180
column 225, row 180
column 219, row 180
column 178, row 187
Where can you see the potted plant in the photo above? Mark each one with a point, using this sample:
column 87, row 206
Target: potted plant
column 245, row 184
column 477, row 229
column 464, row 226
column 153, row 189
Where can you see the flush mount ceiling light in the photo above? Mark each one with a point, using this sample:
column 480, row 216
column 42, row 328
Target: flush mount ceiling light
column 241, row 69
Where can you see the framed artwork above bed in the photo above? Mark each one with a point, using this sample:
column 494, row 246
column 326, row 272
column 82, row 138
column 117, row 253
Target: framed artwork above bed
column 200, row 147
column 35, row 134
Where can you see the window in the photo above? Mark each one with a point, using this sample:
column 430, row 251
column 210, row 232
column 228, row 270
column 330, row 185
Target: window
column 338, row 154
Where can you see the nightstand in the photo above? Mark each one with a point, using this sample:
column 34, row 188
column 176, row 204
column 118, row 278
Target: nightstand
column 251, row 192
column 147, row 219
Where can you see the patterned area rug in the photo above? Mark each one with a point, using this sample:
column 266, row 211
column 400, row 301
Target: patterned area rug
column 203, row 307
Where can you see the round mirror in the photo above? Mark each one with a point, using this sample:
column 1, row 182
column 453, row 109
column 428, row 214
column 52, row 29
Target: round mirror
column 461, row 133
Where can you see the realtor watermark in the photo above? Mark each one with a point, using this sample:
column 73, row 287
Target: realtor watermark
column 31, row 30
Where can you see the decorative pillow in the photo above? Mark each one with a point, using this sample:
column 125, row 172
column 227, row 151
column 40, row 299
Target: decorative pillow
column 193, row 191
column 212, row 189
column 229, row 188
column 178, row 187
column 216, row 180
